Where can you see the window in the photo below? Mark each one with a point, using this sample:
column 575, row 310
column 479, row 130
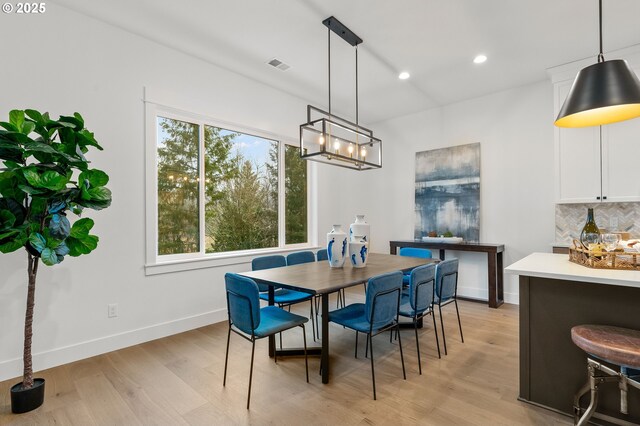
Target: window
column 222, row 190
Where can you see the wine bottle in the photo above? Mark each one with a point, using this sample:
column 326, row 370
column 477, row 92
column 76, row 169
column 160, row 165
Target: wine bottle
column 590, row 232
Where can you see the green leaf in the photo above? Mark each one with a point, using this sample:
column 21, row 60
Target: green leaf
column 34, row 146
column 34, row 115
column 59, row 226
column 100, row 194
column 53, row 180
column 82, row 246
column 37, row 241
column 14, row 207
column 9, row 126
column 75, row 123
column 79, row 118
column 62, row 249
column 38, row 206
column 86, row 137
column 7, row 219
column 81, row 228
column 9, row 182
column 16, row 117
column 31, row 191
column 49, row 257
column 15, row 137
column 49, row 179
column 14, row 244
column 28, row 127
column 95, row 177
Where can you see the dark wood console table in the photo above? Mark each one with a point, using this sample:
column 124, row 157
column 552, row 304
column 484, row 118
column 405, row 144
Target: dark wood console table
column 495, row 269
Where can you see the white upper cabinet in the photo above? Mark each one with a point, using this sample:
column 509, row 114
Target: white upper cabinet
column 621, row 161
column 591, row 166
column 577, row 159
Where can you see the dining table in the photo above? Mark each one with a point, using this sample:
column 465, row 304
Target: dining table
column 318, row 279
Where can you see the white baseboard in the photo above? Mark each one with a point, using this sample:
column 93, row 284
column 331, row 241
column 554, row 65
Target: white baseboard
column 66, row 354
column 482, row 294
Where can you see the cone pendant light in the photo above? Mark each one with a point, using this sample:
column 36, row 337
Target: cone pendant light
column 603, row 93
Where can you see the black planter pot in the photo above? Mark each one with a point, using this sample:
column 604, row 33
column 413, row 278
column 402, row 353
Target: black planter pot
column 24, row 400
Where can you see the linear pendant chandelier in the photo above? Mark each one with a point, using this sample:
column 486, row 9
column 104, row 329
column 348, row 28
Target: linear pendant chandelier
column 329, row 139
column 602, row 93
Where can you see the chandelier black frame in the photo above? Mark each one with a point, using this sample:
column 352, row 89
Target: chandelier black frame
column 330, row 139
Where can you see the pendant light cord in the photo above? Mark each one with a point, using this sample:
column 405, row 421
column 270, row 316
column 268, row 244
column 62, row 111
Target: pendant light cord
column 601, row 54
column 356, row 86
column 329, row 65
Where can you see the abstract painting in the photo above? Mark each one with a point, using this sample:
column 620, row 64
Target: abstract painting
column 447, row 189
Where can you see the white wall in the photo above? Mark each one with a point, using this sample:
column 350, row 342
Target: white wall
column 515, row 130
column 65, row 62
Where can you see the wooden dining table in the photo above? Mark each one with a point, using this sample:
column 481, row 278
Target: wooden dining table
column 318, row 278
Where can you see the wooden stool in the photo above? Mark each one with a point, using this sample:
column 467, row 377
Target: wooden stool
column 614, row 345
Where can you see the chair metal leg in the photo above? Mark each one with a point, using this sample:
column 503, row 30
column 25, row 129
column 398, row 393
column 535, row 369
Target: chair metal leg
column 366, row 347
column 404, row 373
column 373, row 373
column 415, row 327
column 577, row 411
column 356, row 344
column 317, row 302
column 592, row 405
column 313, row 328
column 226, row 358
column 435, row 330
column 306, row 360
column 455, row 301
column 253, row 349
column 444, row 338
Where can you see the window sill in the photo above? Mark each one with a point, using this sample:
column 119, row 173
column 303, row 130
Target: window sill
column 217, row 260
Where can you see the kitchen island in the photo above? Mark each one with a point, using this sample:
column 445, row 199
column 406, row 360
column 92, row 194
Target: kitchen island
column 556, row 295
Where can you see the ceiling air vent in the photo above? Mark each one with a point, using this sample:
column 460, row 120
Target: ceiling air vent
column 277, row 63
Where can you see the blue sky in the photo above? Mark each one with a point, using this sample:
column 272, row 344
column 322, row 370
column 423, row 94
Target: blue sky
column 252, row 148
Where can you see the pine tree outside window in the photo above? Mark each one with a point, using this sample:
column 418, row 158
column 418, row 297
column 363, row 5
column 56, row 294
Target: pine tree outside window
column 221, row 190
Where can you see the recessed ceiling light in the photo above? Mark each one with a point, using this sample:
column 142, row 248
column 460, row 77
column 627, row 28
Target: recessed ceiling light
column 479, row 59
column 404, row 75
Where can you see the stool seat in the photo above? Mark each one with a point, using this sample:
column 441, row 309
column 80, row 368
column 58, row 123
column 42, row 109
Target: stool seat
column 620, row 346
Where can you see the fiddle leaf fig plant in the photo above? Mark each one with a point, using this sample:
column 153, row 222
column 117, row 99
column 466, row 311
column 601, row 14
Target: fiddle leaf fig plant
column 45, row 177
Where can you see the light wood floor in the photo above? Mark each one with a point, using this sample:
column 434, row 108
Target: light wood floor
column 178, row 381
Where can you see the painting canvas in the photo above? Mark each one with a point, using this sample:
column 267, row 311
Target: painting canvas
column 447, row 190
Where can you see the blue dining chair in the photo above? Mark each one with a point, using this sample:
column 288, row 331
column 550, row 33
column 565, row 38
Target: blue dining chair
column 447, row 292
column 413, row 252
column 322, row 255
column 282, row 297
column 300, row 257
column 251, row 322
column 417, row 301
column 378, row 314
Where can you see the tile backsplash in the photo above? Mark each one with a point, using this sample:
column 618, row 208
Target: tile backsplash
column 570, row 219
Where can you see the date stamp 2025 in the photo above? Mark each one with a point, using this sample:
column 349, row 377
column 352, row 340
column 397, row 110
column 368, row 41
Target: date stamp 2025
column 24, row 8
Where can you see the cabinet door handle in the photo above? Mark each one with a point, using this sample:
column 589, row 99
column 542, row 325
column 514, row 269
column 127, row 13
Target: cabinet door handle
column 604, row 197
column 597, row 198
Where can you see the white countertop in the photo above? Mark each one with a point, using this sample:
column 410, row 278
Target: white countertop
column 557, row 266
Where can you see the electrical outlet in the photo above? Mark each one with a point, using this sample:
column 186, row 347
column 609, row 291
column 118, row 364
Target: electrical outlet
column 613, row 223
column 112, row 310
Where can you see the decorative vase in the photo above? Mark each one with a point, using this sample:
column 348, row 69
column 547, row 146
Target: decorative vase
column 360, row 227
column 359, row 249
column 590, row 233
column 337, row 247
column 24, row 400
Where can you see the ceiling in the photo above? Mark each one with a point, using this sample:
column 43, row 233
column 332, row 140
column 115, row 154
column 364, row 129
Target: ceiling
column 434, row 40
